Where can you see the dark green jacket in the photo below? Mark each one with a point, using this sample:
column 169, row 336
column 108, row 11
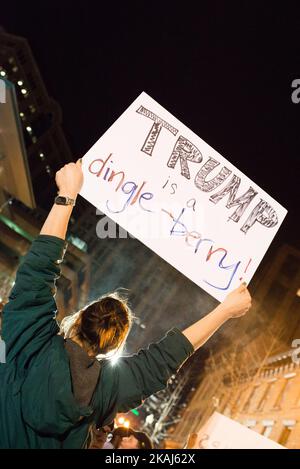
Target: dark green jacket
column 37, row 406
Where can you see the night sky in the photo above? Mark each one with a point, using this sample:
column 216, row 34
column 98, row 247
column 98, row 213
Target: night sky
column 224, row 69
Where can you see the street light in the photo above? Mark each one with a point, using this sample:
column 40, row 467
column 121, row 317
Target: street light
column 121, row 420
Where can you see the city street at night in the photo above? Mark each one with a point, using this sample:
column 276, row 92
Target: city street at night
column 149, row 228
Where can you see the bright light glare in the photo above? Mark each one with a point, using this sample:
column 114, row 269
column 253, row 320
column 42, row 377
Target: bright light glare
column 114, row 359
column 114, row 356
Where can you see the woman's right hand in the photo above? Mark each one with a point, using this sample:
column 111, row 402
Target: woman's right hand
column 238, row 302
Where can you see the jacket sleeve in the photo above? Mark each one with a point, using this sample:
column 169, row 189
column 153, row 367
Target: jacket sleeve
column 29, row 315
column 149, row 371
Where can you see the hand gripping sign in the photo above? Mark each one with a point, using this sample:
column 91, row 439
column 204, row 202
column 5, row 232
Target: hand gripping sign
column 168, row 188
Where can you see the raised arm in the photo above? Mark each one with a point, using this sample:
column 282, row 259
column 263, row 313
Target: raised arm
column 133, row 379
column 137, row 377
column 69, row 180
column 29, row 316
column 236, row 304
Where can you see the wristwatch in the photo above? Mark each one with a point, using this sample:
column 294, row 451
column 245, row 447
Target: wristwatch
column 62, row 200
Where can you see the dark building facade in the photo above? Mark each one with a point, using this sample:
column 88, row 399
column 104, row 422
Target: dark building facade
column 46, row 150
column 40, row 115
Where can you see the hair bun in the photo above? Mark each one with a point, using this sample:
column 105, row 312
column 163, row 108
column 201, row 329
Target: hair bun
column 103, row 325
column 112, row 316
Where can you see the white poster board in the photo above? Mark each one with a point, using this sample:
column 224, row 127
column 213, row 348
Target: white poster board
column 168, row 188
column 221, row 432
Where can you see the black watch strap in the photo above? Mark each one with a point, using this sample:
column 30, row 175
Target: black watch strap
column 63, row 200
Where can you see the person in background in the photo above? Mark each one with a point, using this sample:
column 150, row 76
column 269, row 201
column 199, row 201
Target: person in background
column 99, row 436
column 58, row 380
column 127, row 438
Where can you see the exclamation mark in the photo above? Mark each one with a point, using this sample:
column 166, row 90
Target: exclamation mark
column 246, row 269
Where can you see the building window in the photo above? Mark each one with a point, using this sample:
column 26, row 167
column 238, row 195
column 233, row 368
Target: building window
column 250, row 398
column 283, row 391
column 239, row 399
column 279, row 397
column 265, row 396
column 267, row 430
column 250, row 423
column 285, row 434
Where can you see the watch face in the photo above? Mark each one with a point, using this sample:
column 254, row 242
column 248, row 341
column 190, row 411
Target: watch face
column 60, row 200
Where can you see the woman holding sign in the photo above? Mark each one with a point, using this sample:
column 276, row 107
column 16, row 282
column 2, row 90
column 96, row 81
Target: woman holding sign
column 53, row 387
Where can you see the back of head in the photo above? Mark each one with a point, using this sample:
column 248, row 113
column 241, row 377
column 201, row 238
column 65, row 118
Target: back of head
column 102, row 326
column 141, row 438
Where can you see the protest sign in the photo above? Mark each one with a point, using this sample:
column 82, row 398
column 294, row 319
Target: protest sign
column 221, row 432
column 167, row 187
